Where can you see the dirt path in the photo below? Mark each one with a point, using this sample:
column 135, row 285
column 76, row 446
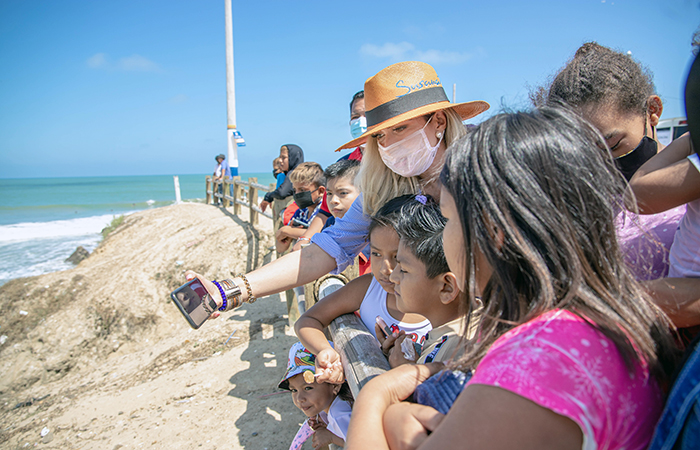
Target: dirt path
column 103, row 360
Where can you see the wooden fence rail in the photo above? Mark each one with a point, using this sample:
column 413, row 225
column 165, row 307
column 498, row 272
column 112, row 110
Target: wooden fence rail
column 238, row 193
column 359, row 351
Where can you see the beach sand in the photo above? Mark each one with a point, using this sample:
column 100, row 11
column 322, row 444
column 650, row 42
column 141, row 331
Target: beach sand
column 100, row 356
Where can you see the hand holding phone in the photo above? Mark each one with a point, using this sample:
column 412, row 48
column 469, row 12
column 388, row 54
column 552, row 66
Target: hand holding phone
column 193, row 301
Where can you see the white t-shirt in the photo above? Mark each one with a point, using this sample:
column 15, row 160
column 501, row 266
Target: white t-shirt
column 374, row 304
column 684, row 255
column 338, row 417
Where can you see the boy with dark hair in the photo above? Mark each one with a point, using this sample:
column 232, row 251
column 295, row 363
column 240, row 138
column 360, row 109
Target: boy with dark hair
column 309, row 185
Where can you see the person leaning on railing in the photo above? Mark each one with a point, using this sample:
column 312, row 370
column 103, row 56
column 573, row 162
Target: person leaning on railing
column 410, row 124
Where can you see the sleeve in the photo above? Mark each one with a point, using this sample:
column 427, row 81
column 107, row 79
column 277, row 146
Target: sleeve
column 339, row 418
column 281, row 192
column 551, row 374
column 346, row 238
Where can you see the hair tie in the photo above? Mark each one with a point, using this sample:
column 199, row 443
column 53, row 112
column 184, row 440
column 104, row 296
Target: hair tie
column 422, row 199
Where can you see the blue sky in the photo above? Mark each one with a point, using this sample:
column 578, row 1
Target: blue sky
column 139, row 87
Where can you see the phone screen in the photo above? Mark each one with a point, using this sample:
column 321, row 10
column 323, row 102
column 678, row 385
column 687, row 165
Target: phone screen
column 188, row 299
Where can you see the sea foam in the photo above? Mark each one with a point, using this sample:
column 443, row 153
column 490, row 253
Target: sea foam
column 54, row 229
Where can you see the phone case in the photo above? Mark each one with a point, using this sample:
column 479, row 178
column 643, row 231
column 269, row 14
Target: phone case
column 197, row 317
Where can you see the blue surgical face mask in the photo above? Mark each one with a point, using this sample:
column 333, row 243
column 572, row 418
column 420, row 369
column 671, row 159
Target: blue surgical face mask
column 358, row 127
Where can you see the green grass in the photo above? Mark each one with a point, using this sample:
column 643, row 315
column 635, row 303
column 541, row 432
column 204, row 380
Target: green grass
column 112, row 226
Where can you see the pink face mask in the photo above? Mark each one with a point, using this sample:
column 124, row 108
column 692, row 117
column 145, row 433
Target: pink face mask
column 412, row 156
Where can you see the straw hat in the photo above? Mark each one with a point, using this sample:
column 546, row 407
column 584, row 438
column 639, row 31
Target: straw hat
column 403, row 91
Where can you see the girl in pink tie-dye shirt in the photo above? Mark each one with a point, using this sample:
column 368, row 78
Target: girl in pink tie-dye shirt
column 569, row 349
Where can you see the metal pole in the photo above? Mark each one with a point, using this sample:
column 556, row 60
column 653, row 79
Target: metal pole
column 230, row 94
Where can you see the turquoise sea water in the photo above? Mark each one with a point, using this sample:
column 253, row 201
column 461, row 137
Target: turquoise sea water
column 43, row 220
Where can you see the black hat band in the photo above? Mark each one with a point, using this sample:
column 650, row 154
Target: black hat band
column 405, row 103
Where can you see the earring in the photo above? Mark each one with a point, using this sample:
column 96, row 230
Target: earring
column 438, row 135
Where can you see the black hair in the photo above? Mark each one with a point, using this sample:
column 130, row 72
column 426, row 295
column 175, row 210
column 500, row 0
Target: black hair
column 597, row 75
column 543, row 182
column 420, row 228
column 343, row 168
column 357, row 96
column 388, row 215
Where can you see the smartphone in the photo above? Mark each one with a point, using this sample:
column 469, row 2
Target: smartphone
column 189, row 299
column 385, row 328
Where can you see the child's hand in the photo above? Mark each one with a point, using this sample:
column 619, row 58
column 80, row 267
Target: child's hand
column 396, row 356
column 387, row 342
column 315, row 422
column 407, row 424
column 322, row 437
column 328, row 367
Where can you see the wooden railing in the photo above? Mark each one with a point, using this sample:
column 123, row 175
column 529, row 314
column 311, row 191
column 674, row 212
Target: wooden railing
column 245, row 193
column 359, row 351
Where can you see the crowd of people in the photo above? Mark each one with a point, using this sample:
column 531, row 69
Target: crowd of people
column 546, row 261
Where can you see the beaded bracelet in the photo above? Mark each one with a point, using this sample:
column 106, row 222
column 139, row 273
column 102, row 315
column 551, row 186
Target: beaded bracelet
column 223, row 295
column 251, row 297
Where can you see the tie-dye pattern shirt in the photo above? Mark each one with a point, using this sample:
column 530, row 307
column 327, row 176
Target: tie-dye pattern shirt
column 562, row 363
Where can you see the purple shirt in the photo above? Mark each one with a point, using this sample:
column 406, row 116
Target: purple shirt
column 645, row 240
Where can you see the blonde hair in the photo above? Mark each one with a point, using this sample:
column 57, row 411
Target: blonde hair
column 275, row 162
column 379, row 184
column 308, row 173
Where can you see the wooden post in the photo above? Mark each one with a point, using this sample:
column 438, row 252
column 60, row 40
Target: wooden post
column 236, row 195
column 226, row 192
column 208, row 190
column 253, row 200
column 359, row 351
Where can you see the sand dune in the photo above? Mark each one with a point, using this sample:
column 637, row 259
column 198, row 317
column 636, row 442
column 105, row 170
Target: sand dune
column 100, row 357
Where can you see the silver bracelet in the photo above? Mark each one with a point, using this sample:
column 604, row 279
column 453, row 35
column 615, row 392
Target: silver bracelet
column 232, row 292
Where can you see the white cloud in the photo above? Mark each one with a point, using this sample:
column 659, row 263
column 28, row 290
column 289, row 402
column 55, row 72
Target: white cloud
column 133, row 63
column 442, row 57
column 137, row 63
column 97, row 61
column 388, row 50
column 403, row 51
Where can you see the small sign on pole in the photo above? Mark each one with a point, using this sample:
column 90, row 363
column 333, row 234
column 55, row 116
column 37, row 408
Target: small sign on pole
column 239, row 139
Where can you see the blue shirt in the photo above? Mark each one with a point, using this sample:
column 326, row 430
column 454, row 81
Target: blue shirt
column 346, row 238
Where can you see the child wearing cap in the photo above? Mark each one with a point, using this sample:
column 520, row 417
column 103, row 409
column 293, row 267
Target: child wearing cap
column 323, row 403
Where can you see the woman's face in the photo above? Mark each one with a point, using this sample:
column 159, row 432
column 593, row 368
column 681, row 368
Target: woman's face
column 622, row 131
column 284, row 159
column 400, row 131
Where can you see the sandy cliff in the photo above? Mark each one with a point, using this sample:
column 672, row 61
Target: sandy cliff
column 99, row 355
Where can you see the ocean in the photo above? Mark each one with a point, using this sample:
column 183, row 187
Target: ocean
column 43, row 220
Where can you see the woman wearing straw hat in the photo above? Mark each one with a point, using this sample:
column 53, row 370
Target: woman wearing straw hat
column 410, row 124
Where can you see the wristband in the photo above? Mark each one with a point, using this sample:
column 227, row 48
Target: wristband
column 223, row 295
column 304, row 238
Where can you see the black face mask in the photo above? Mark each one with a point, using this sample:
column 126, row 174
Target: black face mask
column 303, row 199
column 632, row 161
